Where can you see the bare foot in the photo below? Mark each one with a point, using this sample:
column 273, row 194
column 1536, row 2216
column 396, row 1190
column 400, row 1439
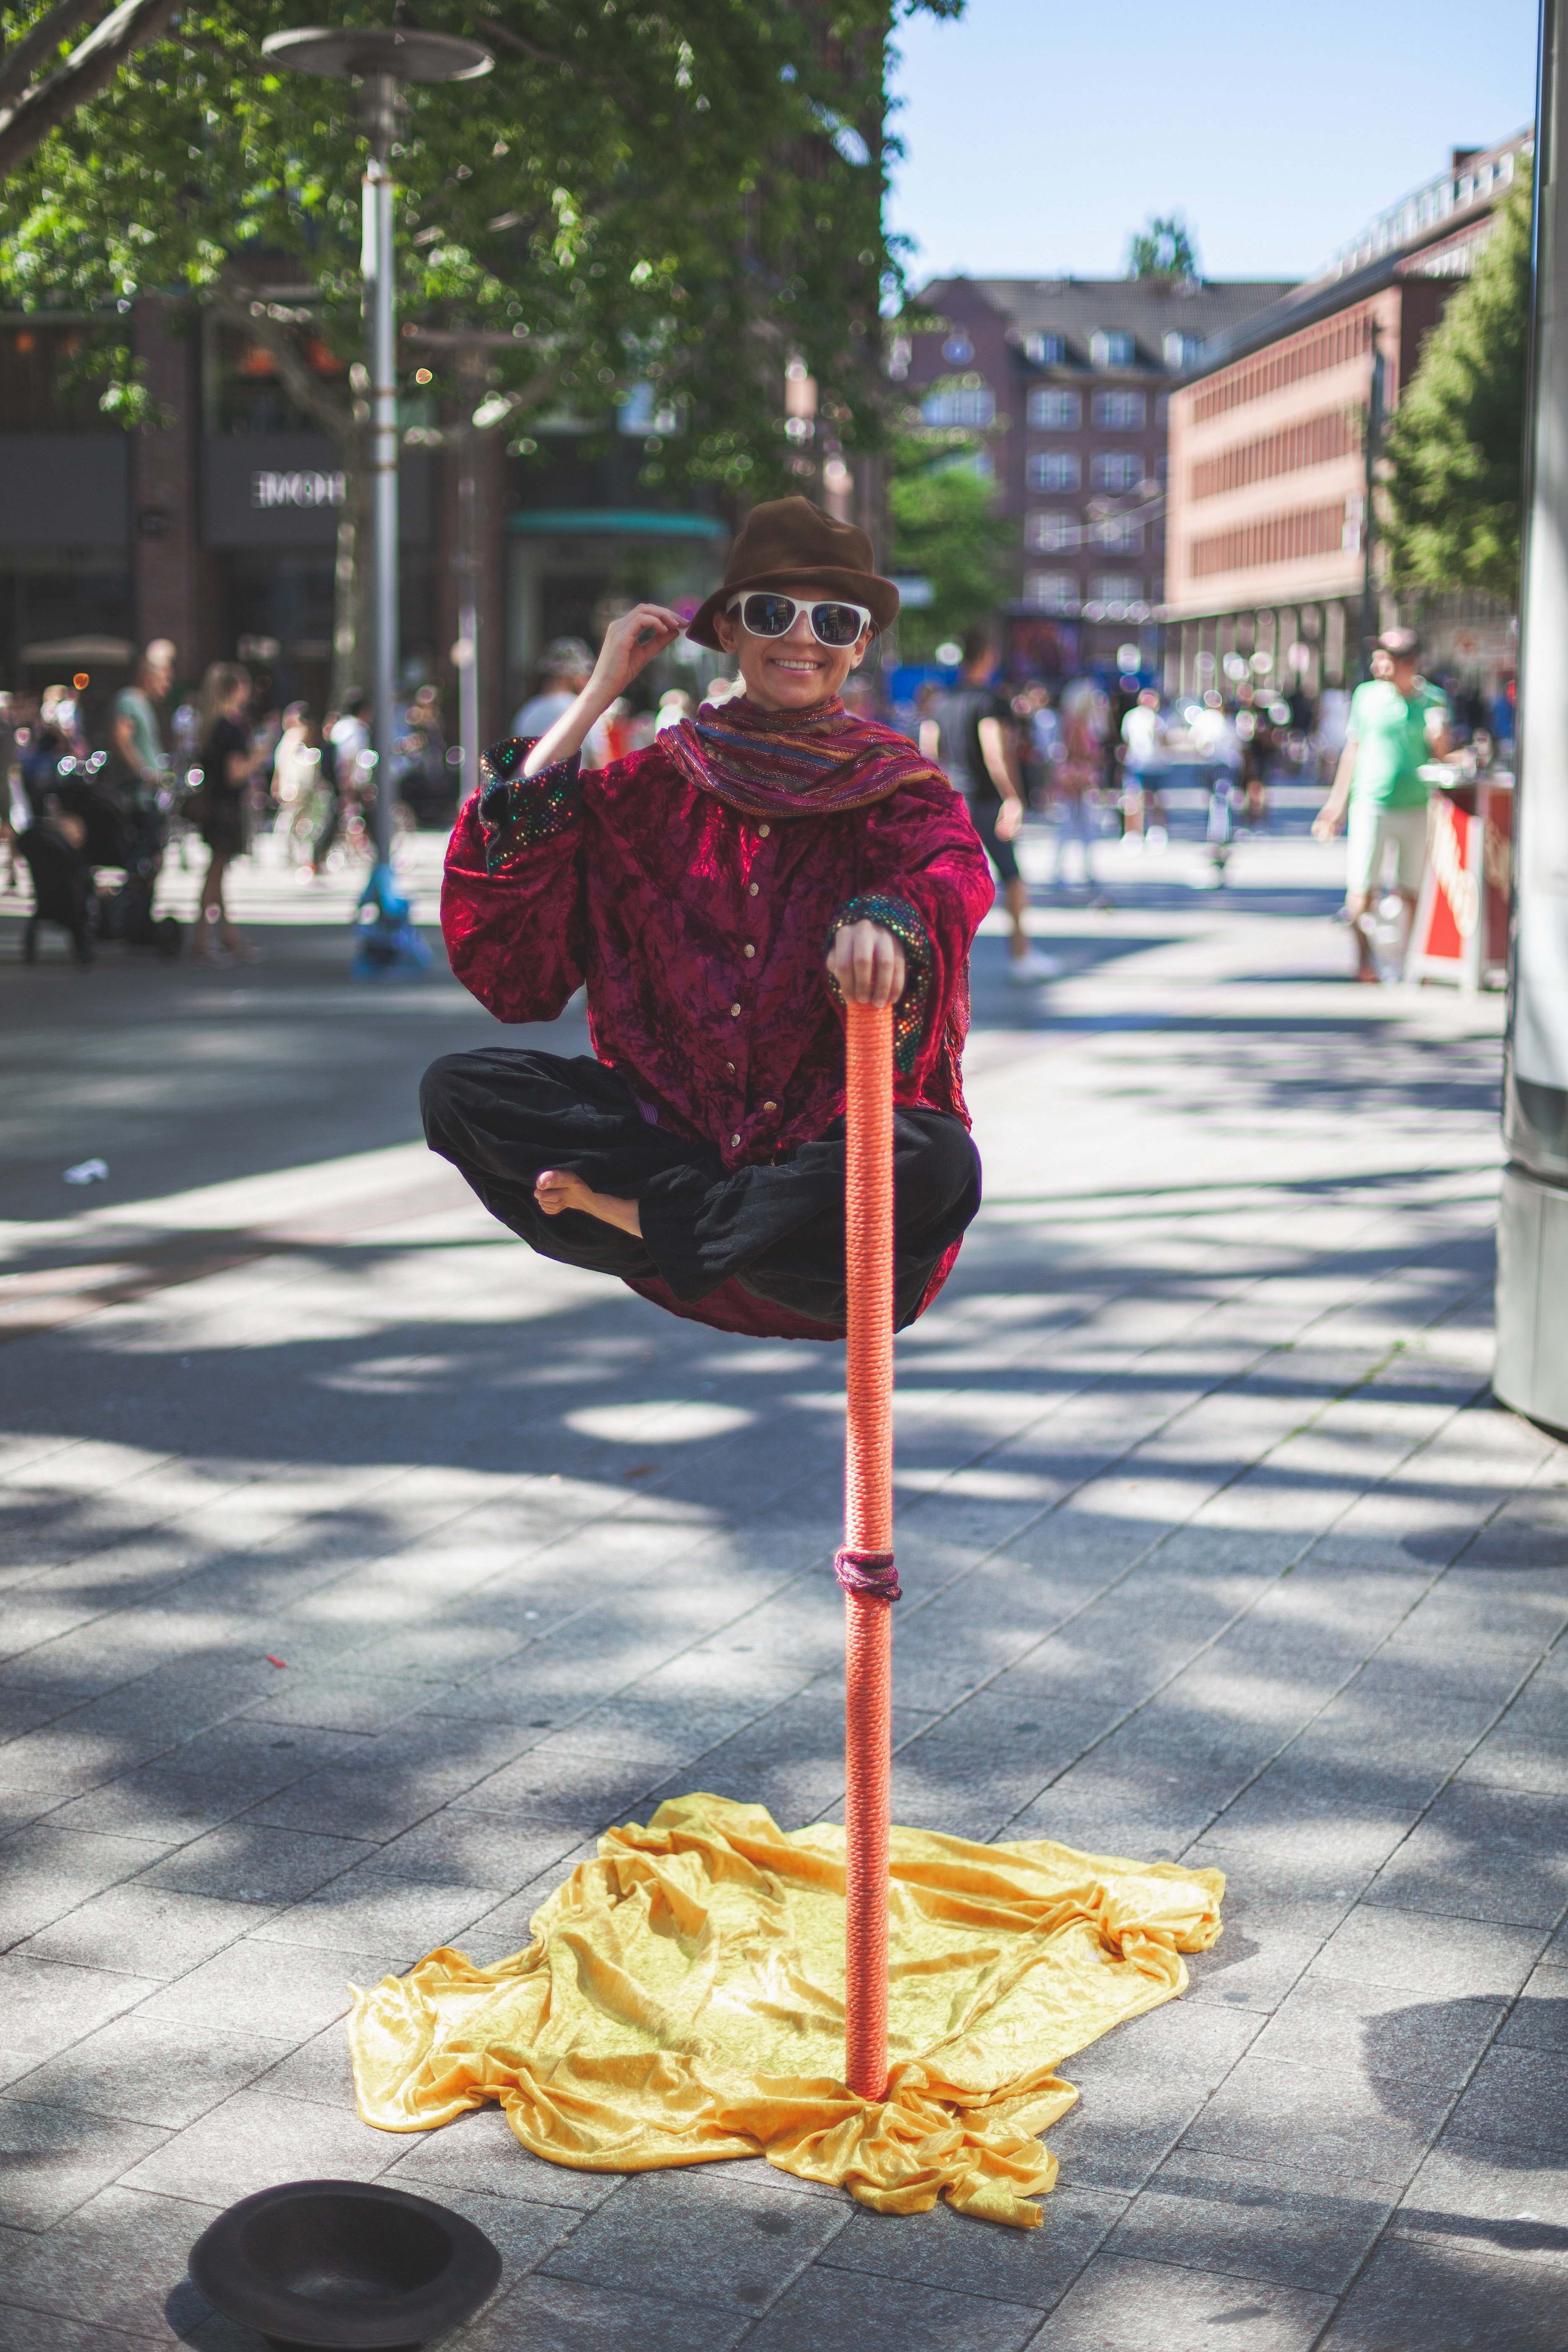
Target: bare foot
column 558, row 1189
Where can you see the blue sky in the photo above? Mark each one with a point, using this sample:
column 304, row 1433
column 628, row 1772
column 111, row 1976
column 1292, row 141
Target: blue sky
column 1039, row 135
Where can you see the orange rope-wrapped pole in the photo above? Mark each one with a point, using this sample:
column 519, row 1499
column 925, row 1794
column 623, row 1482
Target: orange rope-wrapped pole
column 866, row 1563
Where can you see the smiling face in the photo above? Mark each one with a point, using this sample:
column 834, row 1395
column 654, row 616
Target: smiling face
column 793, row 672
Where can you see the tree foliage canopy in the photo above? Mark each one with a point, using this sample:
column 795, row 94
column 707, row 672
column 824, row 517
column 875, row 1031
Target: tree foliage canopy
column 1163, row 248
column 678, row 195
column 947, row 529
column 1455, row 449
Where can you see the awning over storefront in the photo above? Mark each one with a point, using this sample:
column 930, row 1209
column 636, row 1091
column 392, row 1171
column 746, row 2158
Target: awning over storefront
column 612, row 522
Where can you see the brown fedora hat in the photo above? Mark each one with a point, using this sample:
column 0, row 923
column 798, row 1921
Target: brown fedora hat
column 787, row 541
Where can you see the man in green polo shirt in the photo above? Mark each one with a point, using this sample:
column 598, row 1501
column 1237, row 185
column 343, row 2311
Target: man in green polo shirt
column 1397, row 725
column 135, row 732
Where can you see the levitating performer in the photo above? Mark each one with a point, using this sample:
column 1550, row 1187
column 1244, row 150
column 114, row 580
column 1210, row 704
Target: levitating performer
column 722, row 894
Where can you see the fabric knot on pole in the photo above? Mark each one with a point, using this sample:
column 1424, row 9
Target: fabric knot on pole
column 870, row 1572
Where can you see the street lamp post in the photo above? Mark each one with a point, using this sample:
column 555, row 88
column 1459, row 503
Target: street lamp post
column 469, row 344
column 378, row 58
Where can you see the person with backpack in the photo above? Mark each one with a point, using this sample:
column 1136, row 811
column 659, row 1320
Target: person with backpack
column 978, row 738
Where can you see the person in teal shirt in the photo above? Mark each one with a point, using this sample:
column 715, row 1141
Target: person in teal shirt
column 1398, row 724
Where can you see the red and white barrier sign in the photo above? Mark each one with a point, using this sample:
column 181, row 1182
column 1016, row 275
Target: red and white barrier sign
column 1460, row 931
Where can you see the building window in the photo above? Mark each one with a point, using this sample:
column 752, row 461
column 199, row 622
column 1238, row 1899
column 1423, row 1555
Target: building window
column 1054, row 469
column 1182, row 350
column 1045, row 351
column 1056, row 411
column 1116, row 588
column 1108, row 351
column 1053, row 592
column 962, row 406
column 1052, row 533
column 1116, row 469
column 1124, row 532
column 1123, row 411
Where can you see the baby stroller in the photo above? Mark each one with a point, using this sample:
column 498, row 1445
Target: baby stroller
column 126, row 830
column 53, row 849
column 127, row 914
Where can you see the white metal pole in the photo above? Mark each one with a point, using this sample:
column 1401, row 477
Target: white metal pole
column 381, row 101
column 1531, row 1368
column 468, row 588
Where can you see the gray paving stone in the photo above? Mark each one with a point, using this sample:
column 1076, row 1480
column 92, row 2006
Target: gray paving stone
column 1517, row 2099
column 115, row 2263
column 737, row 2242
column 962, row 2256
column 284, row 1992
column 462, row 1848
column 1485, row 1853
column 826, row 2309
column 555, row 2315
column 148, row 2072
column 46, row 1871
column 1379, row 2031
column 1539, row 2021
column 345, row 1701
column 1485, row 2198
column 401, row 1916
column 357, row 1804
column 54, row 2158
column 1420, row 2291
column 1260, row 1956
column 143, row 1930
column 1253, row 2220
column 252, row 2141
column 479, row 2151
column 46, row 2006
column 1366, row 2133
column 1436, row 1956
column 1510, row 1759
column 46, row 2331
column 243, row 1863
column 1141, row 2087
column 319, row 2070
column 556, row 1786
column 1123, row 2305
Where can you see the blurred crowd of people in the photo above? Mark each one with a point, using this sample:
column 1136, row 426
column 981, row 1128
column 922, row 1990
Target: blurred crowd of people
column 94, row 802
column 94, row 807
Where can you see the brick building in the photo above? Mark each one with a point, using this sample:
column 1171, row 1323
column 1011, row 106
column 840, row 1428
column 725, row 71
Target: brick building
column 1069, row 379
column 1268, row 502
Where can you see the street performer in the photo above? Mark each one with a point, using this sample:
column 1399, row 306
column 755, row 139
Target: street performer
column 722, row 893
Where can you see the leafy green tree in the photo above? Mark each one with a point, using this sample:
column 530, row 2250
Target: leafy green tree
column 946, row 528
column 1455, row 449
column 681, row 197
column 46, row 73
column 1164, row 249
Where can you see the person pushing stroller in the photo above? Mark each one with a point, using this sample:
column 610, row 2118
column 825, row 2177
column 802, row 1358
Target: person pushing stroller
column 721, row 892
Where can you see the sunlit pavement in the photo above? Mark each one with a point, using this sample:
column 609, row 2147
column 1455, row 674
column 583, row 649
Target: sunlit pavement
column 1215, row 1548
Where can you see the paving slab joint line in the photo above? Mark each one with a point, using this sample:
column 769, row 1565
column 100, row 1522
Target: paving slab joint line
column 1510, row 2003
column 1092, row 1601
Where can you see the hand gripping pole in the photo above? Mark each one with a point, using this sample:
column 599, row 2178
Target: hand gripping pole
column 865, row 1565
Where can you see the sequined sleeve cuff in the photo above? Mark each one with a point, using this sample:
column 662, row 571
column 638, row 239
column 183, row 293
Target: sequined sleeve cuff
column 517, row 811
column 896, row 915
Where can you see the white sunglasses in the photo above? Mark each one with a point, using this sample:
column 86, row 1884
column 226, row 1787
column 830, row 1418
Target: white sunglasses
column 765, row 613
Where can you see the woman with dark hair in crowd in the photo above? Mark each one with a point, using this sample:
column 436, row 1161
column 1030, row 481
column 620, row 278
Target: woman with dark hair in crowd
column 227, row 765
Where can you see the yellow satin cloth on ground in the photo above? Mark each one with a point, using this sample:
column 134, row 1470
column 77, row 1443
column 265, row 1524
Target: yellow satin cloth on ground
column 682, row 1999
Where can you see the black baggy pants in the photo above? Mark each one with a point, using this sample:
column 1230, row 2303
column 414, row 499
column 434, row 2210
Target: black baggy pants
column 501, row 1118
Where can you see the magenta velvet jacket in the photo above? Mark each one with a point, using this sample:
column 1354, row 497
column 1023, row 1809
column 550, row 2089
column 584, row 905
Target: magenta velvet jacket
column 701, row 934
